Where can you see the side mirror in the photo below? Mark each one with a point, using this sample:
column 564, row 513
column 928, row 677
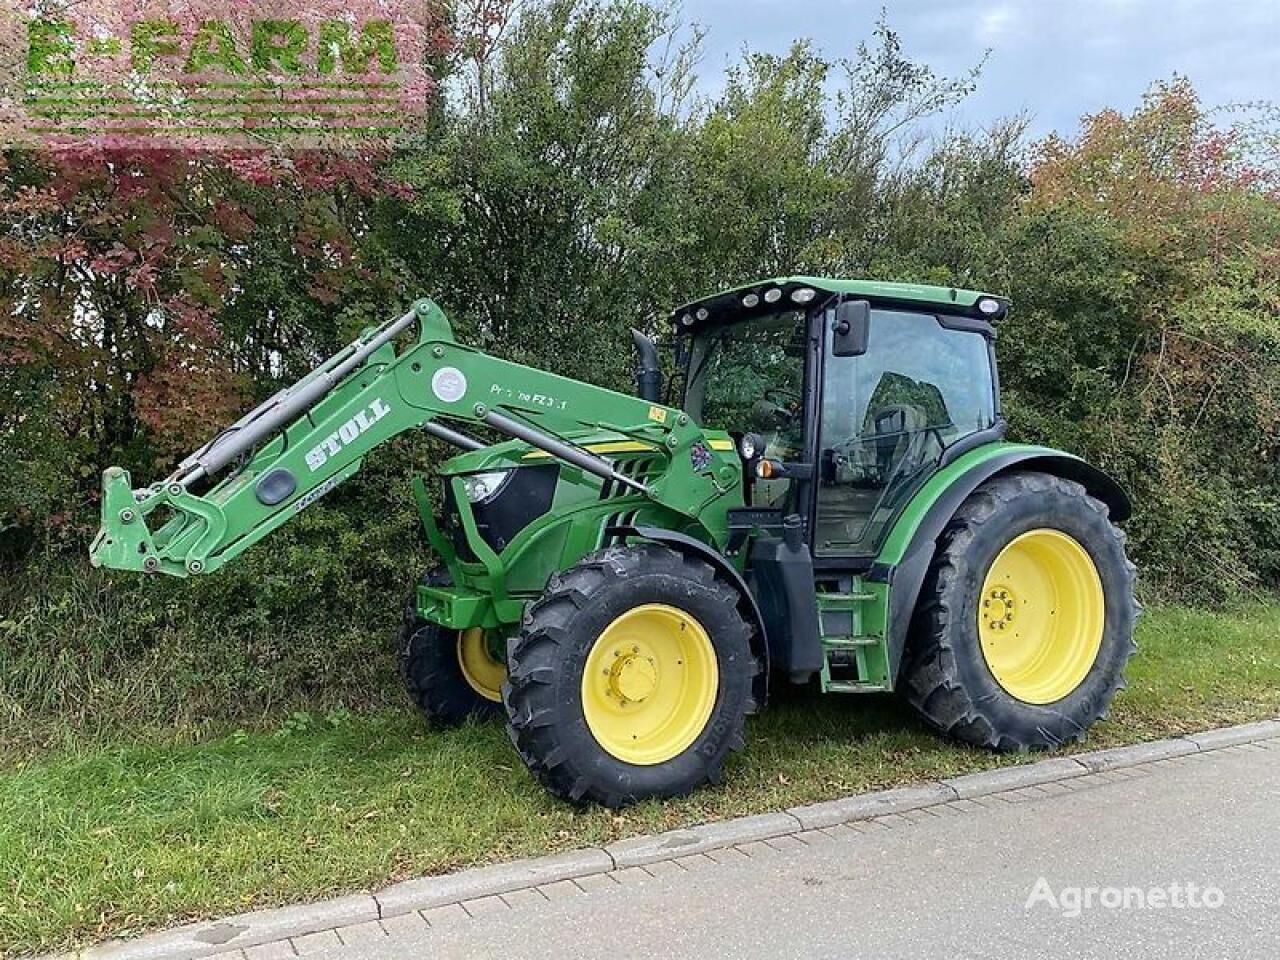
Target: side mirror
column 852, row 328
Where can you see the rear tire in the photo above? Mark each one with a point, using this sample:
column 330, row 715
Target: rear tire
column 630, row 678
column 432, row 660
column 1015, row 644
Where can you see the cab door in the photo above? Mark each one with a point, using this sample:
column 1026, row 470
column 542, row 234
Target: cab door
column 886, row 416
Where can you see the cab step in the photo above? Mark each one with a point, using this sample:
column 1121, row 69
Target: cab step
column 849, row 643
column 837, row 686
column 842, row 601
column 852, row 654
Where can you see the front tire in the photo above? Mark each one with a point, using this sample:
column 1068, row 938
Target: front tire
column 1026, row 618
column 630, row 678
column 451, row 675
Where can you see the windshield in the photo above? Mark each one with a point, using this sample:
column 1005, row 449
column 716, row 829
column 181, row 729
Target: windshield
column 749, row 376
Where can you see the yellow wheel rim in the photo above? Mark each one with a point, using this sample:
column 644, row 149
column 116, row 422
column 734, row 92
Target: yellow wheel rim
column 650, row 684
column 1041, row 615
column 482, row 671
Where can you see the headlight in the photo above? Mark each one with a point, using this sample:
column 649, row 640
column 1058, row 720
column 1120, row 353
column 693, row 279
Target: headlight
column 750, row 445
column 483, row 486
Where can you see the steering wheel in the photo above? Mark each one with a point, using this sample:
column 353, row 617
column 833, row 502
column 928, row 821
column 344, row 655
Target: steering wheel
column 784, row 396
column 788, row 402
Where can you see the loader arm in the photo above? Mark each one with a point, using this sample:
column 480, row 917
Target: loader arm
column 294, row 448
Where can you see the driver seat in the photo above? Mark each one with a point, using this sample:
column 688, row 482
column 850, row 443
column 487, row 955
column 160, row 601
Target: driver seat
column 900, row 433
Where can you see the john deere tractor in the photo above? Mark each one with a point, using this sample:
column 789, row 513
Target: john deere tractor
column 822, row 494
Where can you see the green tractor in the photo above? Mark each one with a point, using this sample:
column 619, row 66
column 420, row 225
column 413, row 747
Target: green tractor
column 825, row 496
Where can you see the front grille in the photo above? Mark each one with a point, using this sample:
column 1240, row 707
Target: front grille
column 638, row 468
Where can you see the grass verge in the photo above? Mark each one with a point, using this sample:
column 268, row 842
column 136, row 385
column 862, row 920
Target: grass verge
column 102, row 839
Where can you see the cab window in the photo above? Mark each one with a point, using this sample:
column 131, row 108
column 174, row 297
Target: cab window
column 749, row 377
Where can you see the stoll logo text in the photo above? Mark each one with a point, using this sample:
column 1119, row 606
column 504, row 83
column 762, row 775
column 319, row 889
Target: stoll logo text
column 346, row 434
column 1071, row 902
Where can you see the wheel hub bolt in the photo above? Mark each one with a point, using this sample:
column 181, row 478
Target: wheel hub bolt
column 632, row 679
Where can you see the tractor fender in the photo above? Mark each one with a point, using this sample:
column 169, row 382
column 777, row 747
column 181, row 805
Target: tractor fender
column 906, row 577
column 683, row 543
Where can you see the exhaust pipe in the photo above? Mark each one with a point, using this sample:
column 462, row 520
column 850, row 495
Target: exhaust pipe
column 648, row 373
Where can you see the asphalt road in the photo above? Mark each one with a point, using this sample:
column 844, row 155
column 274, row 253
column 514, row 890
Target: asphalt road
column 954, row 881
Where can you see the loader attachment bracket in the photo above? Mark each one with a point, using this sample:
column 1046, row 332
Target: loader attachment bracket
column 125, row 542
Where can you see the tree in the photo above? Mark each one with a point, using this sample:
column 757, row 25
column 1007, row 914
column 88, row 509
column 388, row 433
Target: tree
column 1145, row 262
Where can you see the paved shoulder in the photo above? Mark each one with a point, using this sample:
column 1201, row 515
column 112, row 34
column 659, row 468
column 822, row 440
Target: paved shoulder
column 1179, row 857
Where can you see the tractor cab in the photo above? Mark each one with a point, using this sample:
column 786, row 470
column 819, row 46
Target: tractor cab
column 844, row 396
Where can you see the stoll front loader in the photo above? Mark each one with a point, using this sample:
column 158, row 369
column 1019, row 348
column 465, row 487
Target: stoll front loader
column 827, row 498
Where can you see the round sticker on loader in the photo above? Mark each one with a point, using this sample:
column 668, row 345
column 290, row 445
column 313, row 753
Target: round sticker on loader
column 449, row 384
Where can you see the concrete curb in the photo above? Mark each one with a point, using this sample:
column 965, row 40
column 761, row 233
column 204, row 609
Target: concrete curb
column 1232, row 736
column 243, row 930
column 864, row 806
column 1015, row 778
column 426, row 892
column 638, row 851
column 1139, row 753
column 269, row 926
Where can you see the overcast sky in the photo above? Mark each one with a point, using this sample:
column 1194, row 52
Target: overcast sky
column 1055, row 59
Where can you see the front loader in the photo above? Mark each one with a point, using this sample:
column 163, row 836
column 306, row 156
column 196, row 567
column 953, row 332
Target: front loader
column 825, row 498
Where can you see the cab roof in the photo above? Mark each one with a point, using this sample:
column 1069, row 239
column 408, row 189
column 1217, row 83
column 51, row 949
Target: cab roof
column 720, row 306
